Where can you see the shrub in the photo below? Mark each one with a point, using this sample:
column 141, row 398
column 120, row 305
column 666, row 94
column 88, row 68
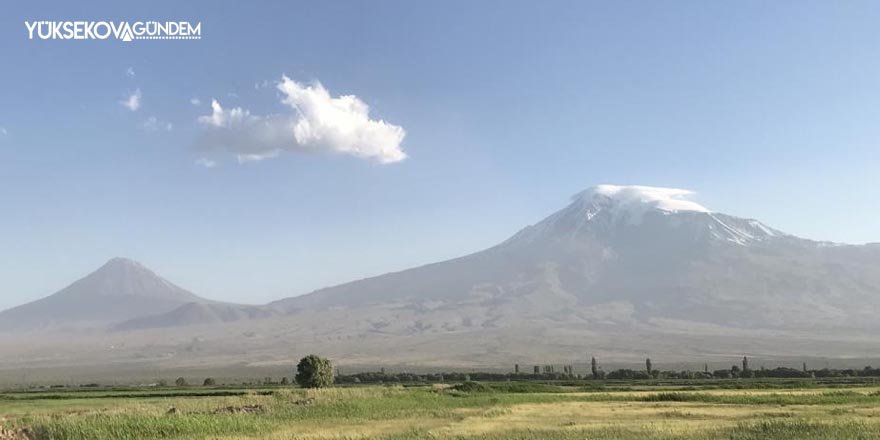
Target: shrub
column 668, row 397
column 314, row 372
column 721, row 374
column 472, row 387
column 525, row 387
column 627, row 374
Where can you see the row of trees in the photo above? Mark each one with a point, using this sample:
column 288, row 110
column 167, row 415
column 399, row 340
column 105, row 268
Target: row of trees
column 316, row 372
column 735, row 371
column 550, row 372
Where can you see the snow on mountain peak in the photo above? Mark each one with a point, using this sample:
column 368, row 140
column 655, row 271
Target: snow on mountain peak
column 607, row 211
column 641, row 197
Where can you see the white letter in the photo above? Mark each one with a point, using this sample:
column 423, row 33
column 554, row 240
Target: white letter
column 30, row 27
column 79, row 30
column 56, row 30
column 45, row 26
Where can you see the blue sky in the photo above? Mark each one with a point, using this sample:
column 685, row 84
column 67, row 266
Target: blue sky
column 765, row 109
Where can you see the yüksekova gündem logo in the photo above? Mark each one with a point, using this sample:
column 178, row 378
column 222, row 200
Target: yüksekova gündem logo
column 110, row 30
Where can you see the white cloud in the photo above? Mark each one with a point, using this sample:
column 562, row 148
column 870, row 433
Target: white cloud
column 3, row 131
column 317, row 122
column 341, row 124
column 133, row 101
column 205, row 162
column 195, row 101
column 667, row 199
column 154, row 124
column 130, row 72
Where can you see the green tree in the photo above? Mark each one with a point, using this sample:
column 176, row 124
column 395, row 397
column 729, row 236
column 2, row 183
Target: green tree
column 594, row 367
column 648, row 365
column 314, row 372
column 181, row 382
column 209, row 382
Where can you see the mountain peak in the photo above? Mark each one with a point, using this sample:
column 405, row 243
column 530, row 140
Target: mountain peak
column 122, row 262
column 610, row 213
column 119, row 271
column 641, row 197
column 119, row 290
column 121, row 276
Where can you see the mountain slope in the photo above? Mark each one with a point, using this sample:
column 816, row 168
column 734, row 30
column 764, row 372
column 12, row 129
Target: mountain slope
column 633, row 254
column 196, row 313
column 119, row 290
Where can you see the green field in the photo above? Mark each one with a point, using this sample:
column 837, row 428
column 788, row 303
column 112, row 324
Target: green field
column 513, row 410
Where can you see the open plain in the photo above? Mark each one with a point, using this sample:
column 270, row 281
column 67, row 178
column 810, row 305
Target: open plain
column 735, row 409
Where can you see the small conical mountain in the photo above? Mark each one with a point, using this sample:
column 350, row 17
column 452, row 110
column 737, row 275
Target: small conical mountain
column 119, row 290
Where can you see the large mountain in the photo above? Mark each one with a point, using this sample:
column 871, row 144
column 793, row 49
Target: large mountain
column 119, row 290
column 631, row 253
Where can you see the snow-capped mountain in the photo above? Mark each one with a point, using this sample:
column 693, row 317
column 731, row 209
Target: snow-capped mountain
column 648, row 253
column 607, row 212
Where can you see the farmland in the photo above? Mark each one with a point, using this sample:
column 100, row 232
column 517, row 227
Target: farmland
column 734, row 409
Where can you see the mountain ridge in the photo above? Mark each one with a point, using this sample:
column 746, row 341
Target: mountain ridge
column 625, row 270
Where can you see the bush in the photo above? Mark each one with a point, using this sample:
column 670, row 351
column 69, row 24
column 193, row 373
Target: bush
column 721, row 374
column 627, row 374
column 314, row 372
column 209, row 382
column 668, row 397
column 525, row 387
column 181, row 382
column 472, row 387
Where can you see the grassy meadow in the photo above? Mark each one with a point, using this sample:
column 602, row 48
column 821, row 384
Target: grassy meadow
column 514, row 410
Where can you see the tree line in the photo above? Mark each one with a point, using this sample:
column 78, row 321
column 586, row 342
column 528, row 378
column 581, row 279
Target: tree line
column 316, row 372
column 566, row 372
